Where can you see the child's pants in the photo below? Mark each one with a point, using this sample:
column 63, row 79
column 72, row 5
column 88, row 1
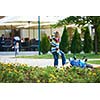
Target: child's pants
column 56, row 57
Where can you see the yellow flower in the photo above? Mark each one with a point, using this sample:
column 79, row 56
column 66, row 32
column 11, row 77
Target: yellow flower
column 99, row 70
column 38, row 81
column 9, row 71
column 94, row 74
column 3, row 71
column 2, row 64
column 8, row 65
column 62, row 68
column 43, row 81
column 25, row 65
column 49, row 80
column 51, row 75
column 15, row 71
column 90, row 73
column 54, row 80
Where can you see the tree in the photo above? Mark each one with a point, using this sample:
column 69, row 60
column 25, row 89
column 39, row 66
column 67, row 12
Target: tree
column 64, row 44
column 44, row 45
column 82, row 20
column 87, row 45
column 98, row 38
column 76, row 46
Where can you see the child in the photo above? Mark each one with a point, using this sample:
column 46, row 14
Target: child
column 16, row 48
column 80, row 63
column 54, row 41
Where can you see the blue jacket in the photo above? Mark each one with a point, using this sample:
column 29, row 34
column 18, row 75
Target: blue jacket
column 78, row 63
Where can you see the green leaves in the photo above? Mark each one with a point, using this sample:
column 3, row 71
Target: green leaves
column 26, row 74
column 45, row 45
column 76, row 46
column 88, row 44
column 64, row 44
column 79, row 20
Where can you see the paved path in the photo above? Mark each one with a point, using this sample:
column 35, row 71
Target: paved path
column 33, row 62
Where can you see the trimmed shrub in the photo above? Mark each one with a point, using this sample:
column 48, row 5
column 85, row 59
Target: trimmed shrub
column 88, row 44
column 64, row 44
column 44, row 44
column 98, row 38
column 76, row 45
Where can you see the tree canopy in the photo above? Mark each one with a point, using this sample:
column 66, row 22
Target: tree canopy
column 83, row 20
column 80, row 20
column 76, row 46
column 64, row 44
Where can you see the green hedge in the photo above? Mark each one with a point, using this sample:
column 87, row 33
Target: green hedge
column 21, row 73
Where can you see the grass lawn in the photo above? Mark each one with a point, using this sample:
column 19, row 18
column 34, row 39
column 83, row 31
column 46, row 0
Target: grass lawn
column 48, row 56
column 94, row 61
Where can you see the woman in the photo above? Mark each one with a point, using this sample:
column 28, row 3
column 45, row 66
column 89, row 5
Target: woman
column 54, row 41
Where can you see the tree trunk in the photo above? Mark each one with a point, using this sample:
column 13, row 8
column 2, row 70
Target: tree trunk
column 95, row 38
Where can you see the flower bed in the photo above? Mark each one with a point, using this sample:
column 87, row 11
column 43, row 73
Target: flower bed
column 22, row 73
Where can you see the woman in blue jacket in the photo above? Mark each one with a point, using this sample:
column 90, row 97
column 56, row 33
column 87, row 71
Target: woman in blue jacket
column 79, row 63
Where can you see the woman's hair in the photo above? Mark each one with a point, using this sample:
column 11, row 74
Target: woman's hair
column 57, row 35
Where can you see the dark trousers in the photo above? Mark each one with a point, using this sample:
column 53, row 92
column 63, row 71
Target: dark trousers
column 89, row 66
column 56, row 57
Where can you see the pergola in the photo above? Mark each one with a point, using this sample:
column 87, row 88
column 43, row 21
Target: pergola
column 18, row 22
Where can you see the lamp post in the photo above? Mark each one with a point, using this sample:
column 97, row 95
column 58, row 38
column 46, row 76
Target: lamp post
column 39, row 34
column 29, row 29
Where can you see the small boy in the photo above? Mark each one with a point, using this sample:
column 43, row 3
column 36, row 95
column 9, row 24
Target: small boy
column 16, row 48
column 80, row 63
